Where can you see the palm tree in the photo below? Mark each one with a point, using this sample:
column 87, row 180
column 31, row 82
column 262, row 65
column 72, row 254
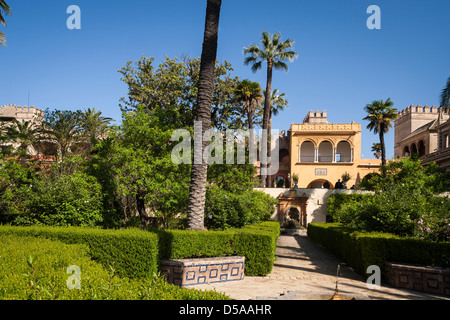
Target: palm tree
column 61, row 127
column 197, row 189
column 274, row 53
column 277, row 103
column 5, row 9
column 380, row 115
column 445, row 95
column 249, row 93
column 93, row 126
column 376, row 148
column 24, row 133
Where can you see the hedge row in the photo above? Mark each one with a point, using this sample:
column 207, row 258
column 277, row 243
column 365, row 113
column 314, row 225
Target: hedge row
column 132, row 252
column 137, row 253
column 256, row 242
column 36, row 268
column 361, row 250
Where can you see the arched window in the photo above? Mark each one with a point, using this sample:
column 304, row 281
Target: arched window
column 413, row 149
column 307, row 152
column 421, row 148
column 406, row 152
column 325, row 151
column 343, row 152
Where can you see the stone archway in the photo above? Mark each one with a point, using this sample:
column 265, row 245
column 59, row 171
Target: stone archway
column 293, row 202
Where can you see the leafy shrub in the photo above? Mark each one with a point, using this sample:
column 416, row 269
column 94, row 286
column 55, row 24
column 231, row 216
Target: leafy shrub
column 33, row 268
column 403, row 203
column 226, row 209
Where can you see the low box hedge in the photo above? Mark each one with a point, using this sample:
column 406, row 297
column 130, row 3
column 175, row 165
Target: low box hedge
column 133, row 253
column 137, row 253
column 257, row 243
column 361, row 250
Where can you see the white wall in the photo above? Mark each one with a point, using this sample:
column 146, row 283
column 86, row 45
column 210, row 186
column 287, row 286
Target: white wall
column 317, row 203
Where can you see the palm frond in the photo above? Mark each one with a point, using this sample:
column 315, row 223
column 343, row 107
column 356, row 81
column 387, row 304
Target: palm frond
column 2, row 39
column 445, row 96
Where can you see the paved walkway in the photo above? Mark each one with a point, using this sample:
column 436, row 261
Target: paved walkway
column 303, row 270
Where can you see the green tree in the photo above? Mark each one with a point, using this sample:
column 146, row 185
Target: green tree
column 380, row 115
column 173, row 86
column 249, row 93
column 445, row 95
column 24, row 133
column 93, row 126
column 5, row 9
column 61, row 127
column 197, row 190
column 137, row 161
column 274, row 53
column 376, row 149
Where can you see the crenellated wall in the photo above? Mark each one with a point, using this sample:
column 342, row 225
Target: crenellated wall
column 20, row 113
column 412, row 119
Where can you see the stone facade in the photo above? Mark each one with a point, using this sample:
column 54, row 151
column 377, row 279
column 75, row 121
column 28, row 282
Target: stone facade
column 322, row 152
column 416, row 130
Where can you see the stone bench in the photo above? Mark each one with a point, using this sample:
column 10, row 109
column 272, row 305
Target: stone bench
column 188, row 272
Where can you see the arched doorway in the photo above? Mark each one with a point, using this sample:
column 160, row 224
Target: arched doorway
column 319, row 183
column 293, row 213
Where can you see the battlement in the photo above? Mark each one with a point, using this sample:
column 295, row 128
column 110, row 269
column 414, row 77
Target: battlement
column 317, row 117
column 19, row 113
column 412, row 109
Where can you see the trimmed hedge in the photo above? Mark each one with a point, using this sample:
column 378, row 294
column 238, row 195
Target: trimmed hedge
column 256, row 242
column 133, row 253
column 36, row 268
column 137, row 253
column 361, row 250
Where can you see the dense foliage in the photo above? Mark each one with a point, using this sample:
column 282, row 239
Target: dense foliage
column 36, row 268
column 404, row 202
column 123, row 175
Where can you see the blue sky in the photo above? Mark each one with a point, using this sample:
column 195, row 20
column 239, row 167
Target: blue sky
column 342, row 65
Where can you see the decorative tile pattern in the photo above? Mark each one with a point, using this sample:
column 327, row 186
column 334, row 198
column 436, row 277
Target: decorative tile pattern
column 421, row 278
column 187, row 272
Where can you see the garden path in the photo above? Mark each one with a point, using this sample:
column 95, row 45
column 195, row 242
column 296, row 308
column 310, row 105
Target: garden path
column 303, row 270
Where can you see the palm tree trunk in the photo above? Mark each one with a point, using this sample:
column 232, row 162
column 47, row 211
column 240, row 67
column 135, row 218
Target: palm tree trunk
column 197, row 190
column 269, row 149
column 265, row 125
column 383, row 152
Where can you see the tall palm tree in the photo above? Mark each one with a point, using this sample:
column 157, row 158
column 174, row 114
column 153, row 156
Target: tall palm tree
column 278, row 103
column 5, row 9
column 274, row 53
column 380, row 115
column 249, row 93
column 445, row 95
column 197, row 189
